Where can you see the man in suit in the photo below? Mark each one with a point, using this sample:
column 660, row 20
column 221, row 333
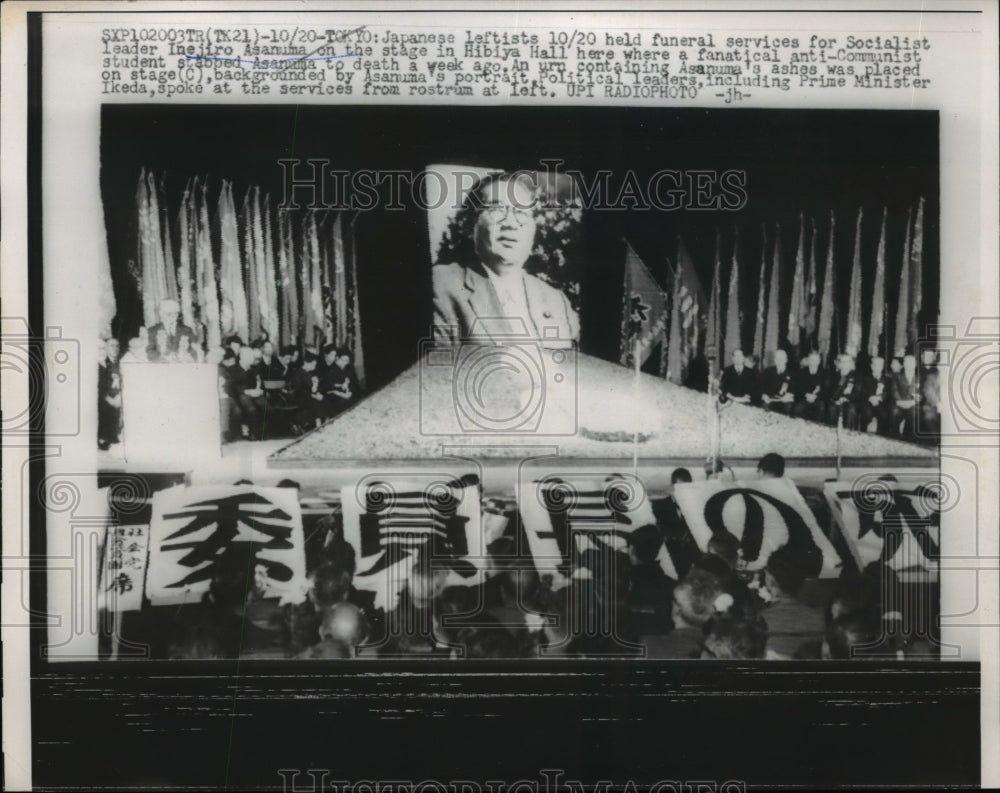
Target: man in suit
column 929, row 427
column 738, row 382
column 809, row 390
column 776, row 391
column 340, row 382
column 844, row 394
column 875, row 391
column 109, row 397
column 905, row 396
column 170, row 312
column 492, row 299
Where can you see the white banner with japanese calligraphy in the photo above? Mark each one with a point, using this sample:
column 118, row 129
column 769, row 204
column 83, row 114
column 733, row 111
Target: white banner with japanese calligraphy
column 563, row 516
column 123, row 567
column 763, row 514
column 389, row 520
column 192, row 526
column 897, row 523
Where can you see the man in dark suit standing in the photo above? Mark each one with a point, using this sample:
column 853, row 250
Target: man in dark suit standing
column 170, row 312
column 905, row 396
column 491, row 298
column 844, row 394
column 809, row 390
column 777, row 392
column 875, row 392
column 738, row 382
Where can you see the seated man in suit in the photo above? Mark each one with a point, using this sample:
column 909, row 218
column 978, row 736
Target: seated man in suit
column 170, row 322
column 776, row 391
column 844, row 394
column 929, row 418
column 340, row 382
column 905, row 396
column 738, row 382
column 490, row 298
column 875, row 388
column 809, row 390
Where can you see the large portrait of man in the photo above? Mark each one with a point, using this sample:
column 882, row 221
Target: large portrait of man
column 487, row 295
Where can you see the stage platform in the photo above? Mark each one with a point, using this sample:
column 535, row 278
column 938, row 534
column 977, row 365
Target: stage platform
column 413, row 423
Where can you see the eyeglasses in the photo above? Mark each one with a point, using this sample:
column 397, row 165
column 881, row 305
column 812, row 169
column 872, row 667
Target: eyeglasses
column 498, row 213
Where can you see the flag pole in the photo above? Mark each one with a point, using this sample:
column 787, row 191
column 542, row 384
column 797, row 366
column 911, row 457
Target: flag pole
column 635, row 400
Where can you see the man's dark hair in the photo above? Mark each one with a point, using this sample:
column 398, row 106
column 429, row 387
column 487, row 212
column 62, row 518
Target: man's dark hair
column 742, row 637
column 310, row 357
column 331, row 583
column 287, row 349
column 234, row 339
column 342, row 351
column 680, row 475
column 789, row 567
column 773, row 464
column 645, row 542
column 328, row 348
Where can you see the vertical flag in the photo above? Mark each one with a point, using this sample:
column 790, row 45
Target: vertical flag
column 207, row 289
column 305, row 276
column 285, row 311
column 339, row 282
column 272, row 326
column 734, row 336
column 644, row 320
column 326, row 259
column 155, row 246
column 169, row 264
column 315, row 280
column 231, row 269
column 798, row 309
column 916, row 273
column 293, row 284
column 853, row 344
column 772, row 332
column 354, row 325
column 811, row 286
column 684, row 317
column 144, row 253
column 827, row 307
column 758, row 335
column 249, row 267
column 876, row 326
column 713, row 333
column 903, row 303
column 186, row 234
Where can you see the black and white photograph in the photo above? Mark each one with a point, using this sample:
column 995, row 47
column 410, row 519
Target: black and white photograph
column 503, row 398
column 550, row 399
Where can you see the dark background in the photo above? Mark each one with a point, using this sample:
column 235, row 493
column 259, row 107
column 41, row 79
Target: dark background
column 796, row 161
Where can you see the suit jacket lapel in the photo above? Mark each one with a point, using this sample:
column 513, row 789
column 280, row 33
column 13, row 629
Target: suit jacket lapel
column 483, row 300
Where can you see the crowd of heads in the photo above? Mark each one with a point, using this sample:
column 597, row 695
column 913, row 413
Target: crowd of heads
column 607, row 601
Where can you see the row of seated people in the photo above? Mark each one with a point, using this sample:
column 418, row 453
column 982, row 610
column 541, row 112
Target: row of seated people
column 262, row 394
column 903, row 402
column 615, row 604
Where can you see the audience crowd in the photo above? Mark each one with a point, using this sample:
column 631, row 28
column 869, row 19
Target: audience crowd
column 610, row 603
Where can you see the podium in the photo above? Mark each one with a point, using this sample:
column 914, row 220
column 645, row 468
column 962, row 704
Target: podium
column 170, row 414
